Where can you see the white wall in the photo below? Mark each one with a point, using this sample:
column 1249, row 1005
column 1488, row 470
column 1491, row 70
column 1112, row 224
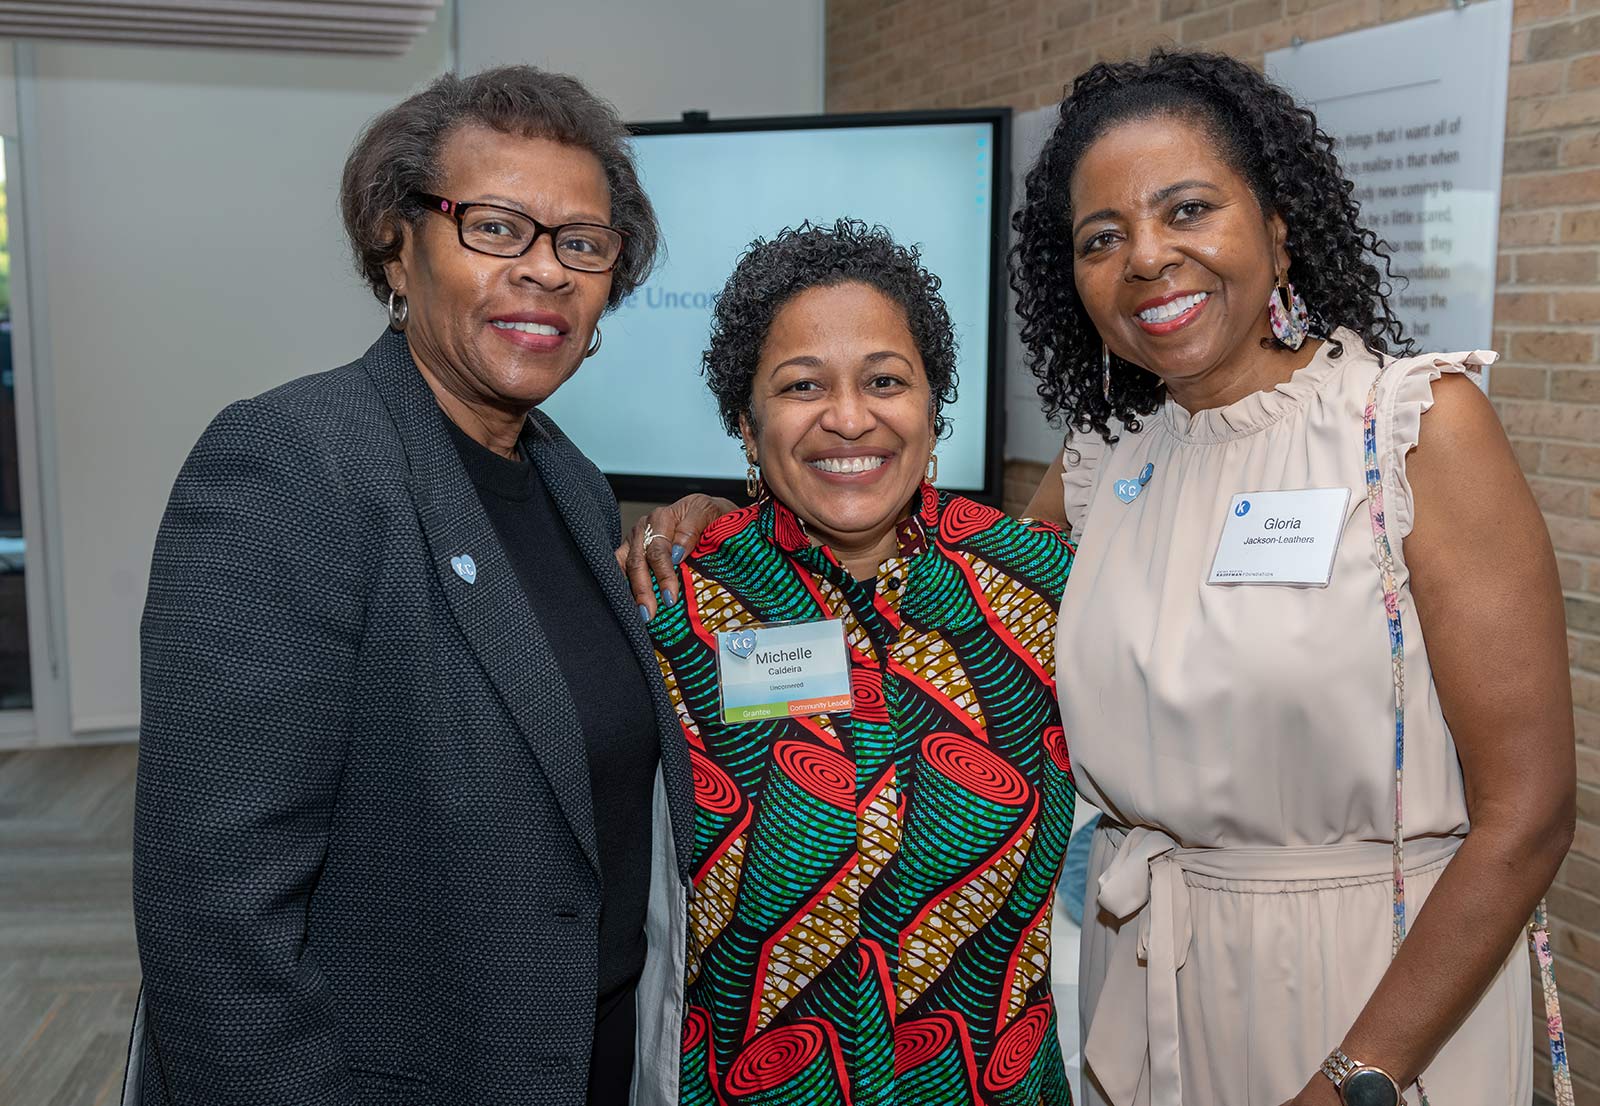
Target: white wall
column 656, row 59
column 186, row 239
column 184, row 235
column 1029, row 437
column 8, row 93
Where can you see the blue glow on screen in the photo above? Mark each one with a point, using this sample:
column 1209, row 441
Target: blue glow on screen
column 641, row 407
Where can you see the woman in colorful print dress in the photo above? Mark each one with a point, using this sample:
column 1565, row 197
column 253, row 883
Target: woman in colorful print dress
column 870, row 922
column 1206, row 310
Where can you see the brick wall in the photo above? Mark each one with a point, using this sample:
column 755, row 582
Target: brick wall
column 903, row 54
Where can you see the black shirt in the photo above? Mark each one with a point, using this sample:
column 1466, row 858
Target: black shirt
column 614, row 711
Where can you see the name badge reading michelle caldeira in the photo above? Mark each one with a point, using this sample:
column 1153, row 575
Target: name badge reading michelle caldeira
column 1286, row 537
column 789, row 670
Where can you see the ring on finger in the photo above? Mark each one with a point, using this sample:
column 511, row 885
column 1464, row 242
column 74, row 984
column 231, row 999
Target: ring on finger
column 650, row 535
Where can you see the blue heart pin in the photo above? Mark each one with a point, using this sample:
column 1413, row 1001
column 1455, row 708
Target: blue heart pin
column 465, row 567
column 1128, row 490
column 742, row 643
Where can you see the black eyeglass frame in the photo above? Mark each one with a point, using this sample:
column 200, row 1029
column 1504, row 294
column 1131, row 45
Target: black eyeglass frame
column 456, row 209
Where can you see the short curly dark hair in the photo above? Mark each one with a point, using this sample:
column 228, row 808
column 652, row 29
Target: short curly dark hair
column 397, row 156
column 771, row 272
column 1273, row 142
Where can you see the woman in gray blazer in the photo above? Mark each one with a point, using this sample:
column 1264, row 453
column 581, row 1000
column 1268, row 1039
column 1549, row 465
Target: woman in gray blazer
column 412, row 803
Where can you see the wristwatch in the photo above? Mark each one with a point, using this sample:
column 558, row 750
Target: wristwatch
column 1360, row 1084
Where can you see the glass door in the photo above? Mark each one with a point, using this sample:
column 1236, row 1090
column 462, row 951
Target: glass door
column 16, row 680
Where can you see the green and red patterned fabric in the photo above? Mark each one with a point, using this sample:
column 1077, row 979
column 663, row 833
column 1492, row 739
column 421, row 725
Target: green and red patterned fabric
column 870, row 922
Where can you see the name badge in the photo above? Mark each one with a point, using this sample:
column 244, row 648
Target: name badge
column 1286, row 537
column 783, row 671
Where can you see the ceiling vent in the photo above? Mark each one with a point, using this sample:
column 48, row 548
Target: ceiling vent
column 386, row 27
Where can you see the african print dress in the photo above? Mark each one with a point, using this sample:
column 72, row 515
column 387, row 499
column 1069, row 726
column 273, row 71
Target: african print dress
column 870, row 920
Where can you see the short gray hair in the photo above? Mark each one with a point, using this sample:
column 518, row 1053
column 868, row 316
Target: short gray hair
column 398, row 155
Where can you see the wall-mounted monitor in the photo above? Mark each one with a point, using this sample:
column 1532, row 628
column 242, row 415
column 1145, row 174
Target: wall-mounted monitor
column 641, row 410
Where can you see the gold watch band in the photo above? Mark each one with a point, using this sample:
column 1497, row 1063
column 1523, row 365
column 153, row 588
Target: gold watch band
column 1341, row 1069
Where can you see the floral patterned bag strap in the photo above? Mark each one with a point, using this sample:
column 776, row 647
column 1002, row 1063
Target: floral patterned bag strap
column 1538, row 928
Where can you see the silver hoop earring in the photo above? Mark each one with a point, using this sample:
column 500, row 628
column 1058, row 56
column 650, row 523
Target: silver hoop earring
column 594, row 346
column 399, row 311
column 1105, row 373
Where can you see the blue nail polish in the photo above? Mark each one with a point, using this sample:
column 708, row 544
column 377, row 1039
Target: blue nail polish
column 644, row 613
column 678, row 554
column 672, row 598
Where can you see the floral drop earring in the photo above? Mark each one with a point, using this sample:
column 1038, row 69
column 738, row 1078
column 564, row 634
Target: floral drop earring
column 1286, row 311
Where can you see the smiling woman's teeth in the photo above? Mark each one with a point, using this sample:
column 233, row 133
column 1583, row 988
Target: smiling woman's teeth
column 1170, row 310
column 527, row 328
column 847, row 464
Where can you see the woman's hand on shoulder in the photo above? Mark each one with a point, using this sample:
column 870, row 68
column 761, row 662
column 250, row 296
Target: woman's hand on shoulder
column 1048, row 504
column 674, row 530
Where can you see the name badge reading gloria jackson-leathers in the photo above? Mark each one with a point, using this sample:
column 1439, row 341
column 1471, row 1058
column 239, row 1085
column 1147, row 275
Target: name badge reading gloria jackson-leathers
column 1286, row 537
column 789, row 670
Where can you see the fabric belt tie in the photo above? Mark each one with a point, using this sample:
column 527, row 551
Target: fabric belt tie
column 1133, row 1040
column 1134, row 1030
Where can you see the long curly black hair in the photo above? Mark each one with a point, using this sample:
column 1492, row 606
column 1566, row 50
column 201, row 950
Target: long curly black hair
column 773, row 271
column 1272, row 142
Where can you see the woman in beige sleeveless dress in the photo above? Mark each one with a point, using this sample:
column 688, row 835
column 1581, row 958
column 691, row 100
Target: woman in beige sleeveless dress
column 1188, row 221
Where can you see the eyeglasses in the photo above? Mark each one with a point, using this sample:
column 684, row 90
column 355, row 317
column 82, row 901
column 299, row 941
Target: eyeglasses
column 502, row 232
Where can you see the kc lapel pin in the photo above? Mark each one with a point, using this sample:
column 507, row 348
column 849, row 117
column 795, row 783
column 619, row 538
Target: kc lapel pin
column 465, row 567
column 1128, row 490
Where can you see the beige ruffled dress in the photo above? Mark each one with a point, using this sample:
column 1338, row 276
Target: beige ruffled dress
column 1240, row 740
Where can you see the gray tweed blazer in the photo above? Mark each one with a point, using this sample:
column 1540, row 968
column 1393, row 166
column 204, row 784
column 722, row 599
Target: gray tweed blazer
column 365, row 865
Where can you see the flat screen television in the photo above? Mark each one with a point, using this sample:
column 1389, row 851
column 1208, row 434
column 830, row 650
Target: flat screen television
column 641, row 410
